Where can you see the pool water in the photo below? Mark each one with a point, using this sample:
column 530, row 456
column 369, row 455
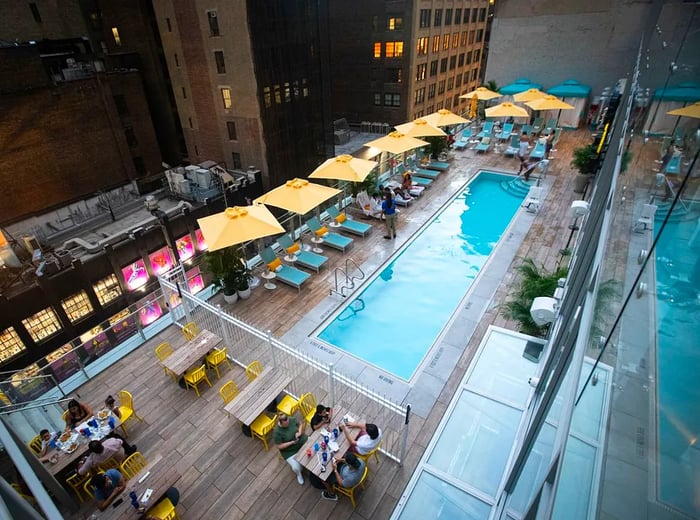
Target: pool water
column 397, row 317
column 678, row 359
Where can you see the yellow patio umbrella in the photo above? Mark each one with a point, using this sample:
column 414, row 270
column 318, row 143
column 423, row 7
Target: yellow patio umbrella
column 396, row 142
column 474, row 107
column 529, row 95
column 237, row 225
column 419, row 128
column 549, row 102
column 689, row 111
column 444, row 117
column 506, row 109
column 297, row 195
column 344, row 168
column 481, row 93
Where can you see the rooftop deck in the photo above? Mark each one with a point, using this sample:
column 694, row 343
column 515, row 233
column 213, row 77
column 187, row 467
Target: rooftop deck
column 228, row 475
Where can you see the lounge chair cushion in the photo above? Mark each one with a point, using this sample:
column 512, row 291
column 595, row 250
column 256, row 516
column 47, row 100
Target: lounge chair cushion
column 293, row 248
column 322, row 231
column 275, row 264
column 340, row 218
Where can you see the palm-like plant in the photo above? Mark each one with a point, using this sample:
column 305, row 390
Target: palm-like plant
column 534, row 282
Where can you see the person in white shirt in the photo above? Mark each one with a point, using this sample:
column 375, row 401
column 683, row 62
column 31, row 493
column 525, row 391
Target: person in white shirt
column 367, row 440
column 100, row 452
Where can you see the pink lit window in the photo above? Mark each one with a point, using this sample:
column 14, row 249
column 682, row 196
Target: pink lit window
column 161, row 261
column 201, row 245
column 185, row 247
column 135, row 275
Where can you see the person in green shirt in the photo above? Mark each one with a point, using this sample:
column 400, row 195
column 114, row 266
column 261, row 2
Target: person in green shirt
column 289, row 437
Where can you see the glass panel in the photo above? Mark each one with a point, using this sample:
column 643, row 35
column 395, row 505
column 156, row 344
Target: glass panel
column 42, row 324
column 161, row 261
column 435, row 499
column 535, row 470
column 135, row 275
column 502, row 371
column 107, row 289
column 185, row 248
column 588, row 412
column 77, row 306
column 475, row 443
column 573, row 493
column 10, row 344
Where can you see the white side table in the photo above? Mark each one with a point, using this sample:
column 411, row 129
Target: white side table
column 269, row 276
column 318, row 241
column 290, row 258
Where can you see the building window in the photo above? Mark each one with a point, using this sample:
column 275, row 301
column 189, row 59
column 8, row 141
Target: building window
column 479, row 35
column 42, row 325
column 455, row 100
column 377, row 99
column 394, row 49
column 458, row 80
column 184, row 93
column 287, row 92
column 295, row 89
column 304, row 88
column 450, row 83
column 421, row 71
column 431, row 91
column 394, row 23
column 107, row 289
column 475, row 12
column 120, row 105
column 226, row 97
column 458, row 16
column 35, row 12
column 463, row 39
column 466, row 78
column 189, row 120
column 117, row 39
column 433, row 67
column 130, row 137
column 231, row 127
column 453, row 62
column 10, row 344
column 475, row 74
column 377, row 49
column 438, row 18
column 177, row 60
column 170, row 27
column 278, row 94
column 460, row 60
column 448, row 102
column 466, row 15
column 443, row 65
column 77, row 306
column 477, row 55
column 436, row 44
column 394, row 75
column 392, row 100
column 424, row 18
column 237, row 164
column 471, row 38
column 422, row 46
column 419, row 96
column 448, row 16
column 213, row 23
column 220, row 65
column 267, row 96
column 445, row 42
column 482, row 14
column 469, row 57
column 438, row 106
column 441, row 88
column 455, row 40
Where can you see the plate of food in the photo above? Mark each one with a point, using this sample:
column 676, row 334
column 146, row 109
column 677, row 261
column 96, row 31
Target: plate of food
column 65, row 437
column 71, row 447
column 103, row 414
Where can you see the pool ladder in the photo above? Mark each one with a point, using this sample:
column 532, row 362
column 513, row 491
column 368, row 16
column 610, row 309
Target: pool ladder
column 344, row 282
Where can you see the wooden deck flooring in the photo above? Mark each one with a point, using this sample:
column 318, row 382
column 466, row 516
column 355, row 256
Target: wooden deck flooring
column 227, row 475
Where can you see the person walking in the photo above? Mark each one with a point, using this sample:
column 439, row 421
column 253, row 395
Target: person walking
column 522, row 151
column 389, row 212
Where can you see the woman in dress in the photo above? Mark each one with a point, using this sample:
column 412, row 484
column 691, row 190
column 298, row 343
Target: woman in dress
column 76, row 413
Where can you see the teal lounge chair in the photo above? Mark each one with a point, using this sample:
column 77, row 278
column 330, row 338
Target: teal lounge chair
column 538, row 151
column 514, row 146
column 421, row 181
column 438, row 165
column 285, row 273
column 484, row 145
column 461, row 144
column 330, row 239
column 551, row 125
column 345, row 224
column 537, row 125
column 303, row 258
column 505, row 132
column 486, row 131
column 429, row 174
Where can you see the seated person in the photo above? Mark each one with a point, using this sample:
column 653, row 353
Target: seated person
column 77, row 413
column 289, row 437
column 111, row 405
column 321, row 418
column 371, row 206
column 46, row 438
column 347, row 473
column 396, row 192
column 107, row 486
column 366, row 441
column 408, row 186
column 100, row 452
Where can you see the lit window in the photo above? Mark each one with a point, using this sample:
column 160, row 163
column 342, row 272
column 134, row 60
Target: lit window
column 377, row 99
column 422, row 46
column 107, row 289
column 377, row 49
column 42, row 325
column 436, row 44
column 445, row 42
column 455, row 40
column 278, row 95
column 77, row 306
column 394, row 23
column 394, row 49
column 287, row 92
column 10, row 344
column 226, row 97
column 267, row 97
column 117, row 39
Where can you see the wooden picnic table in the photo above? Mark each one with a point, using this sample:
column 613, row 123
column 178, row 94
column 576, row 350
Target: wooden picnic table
column 159, row 475
column 315, row 463
column 255, row 398
column 65, row 460
column 191, row 352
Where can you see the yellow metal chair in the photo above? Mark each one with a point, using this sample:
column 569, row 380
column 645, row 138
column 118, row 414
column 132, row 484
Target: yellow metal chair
column 163, row 510
column 195, row 376
column 133, row 464
column 215, row 358
column 288, row 405
column 262, row 426
column 373, row 452
column 110, row 463
column 88, row 489
column 190, row 330
column 307, row 405
column 20, row 492
column 228, row 392
column 350, row 492
column 35, row 445
column 126, row 409
column 64, row 416
column 163, row 351
column 253, row 370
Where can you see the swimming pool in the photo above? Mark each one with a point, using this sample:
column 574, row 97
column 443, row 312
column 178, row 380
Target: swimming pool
column 397, row 317
column 678, row 363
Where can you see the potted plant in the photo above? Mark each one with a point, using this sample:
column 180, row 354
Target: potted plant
column 242, row 277
column 437, row 145
column 585, row 160
column 229, row 272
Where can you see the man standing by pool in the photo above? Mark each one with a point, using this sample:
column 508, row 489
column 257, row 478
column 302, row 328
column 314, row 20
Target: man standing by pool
column 289, row 437
column 389, row 212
